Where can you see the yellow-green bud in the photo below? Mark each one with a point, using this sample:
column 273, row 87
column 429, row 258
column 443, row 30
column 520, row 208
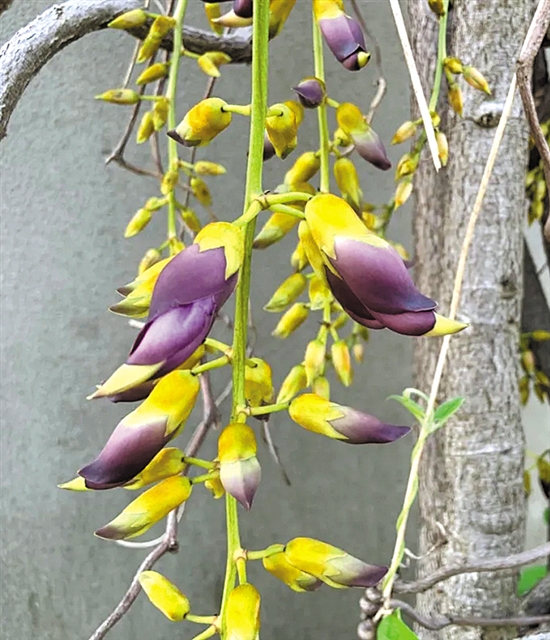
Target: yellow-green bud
column 191, row 220
column 347, row 180
column 305, row 167
column 138, row 222
column 314, row 359
column 151, row 257
column 286, row 293
column 258, row 385
column 291, row 320
column 407, row 165
column 437, row 7
column 169, row 181
column 160, row 113
column 298, row 259
column 201, row 191
column 476, row 79
column 342, row 362
column 129, row 20
column 119, row 96
column 321, row 387
column 455, row 98
column 146, row 128
column 206, row 168
column 211, row 61
column 242, row 614
column 402, row 192
column 405, row 131
column 276, row 228
column 154, row 72
column 319, row 294
column 452, row 65
column 295, row 381
column 442, row 147
column 164, row 595
column 358, row 351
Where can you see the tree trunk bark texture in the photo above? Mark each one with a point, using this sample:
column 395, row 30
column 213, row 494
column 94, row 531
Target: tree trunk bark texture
column 471, row 495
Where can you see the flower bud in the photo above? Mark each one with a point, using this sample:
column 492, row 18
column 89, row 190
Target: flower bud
column 215, row 486
column 311, row 92
column 342, row 139
column 295, row 381
column 191, row 219
column 305, row 167
column 154, row 72
column 358, row 351
column 407, row 165
column 282, row 128
column 298, row 259
column 276, row 227
column 119, row 96
column 286, row 293
column 211, row 61
column 258, row 385
column 455, row 98
column 148, row 509
column 146, row 128
column 366, row 140
column 402, row 192
column 160, row 113
column 213, row 12
column 297, row 580
column 139, row 221
column 442, row 147
column 348, row 182
column 475, row 79
column 437, row 7
column 202, row 123
column 327, row 418
column 314, row 359
column 342, row 362
column 242, row 614
column 405, row 131
column 169, row 181
column 206, row 168
column 160, row 27
column 321, row 387
column 332, row 565
column 291, row 320
column 129, row 20
column 319, row 293
column 201, row 191
column 452, row 65
column 239, row 467
column 164, row 595
column 543, row 468
column 151, row 257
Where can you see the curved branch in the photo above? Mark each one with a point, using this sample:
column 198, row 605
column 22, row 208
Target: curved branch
column 24, row 55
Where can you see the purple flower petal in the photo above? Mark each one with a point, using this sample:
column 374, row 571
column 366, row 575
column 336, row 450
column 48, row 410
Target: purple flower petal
column 135, row 394
column 189, row 276
column 351, row 303
column 369, row 146
column 174, row 335
column 362, row 428
column 343, row 36
column 310, row 93
column 241, row 479
column 378, row 277
column 127, row 452
column 408, row 324
column 353, row 572
column 243, row 8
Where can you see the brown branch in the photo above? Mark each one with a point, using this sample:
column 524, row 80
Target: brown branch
column 5, row 5
column 533, row 42
column 470, row 621
column 24, row 55
column 498, row 564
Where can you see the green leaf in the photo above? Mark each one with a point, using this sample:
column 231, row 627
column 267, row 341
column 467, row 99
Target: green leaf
column 411, row 406
column 446, row 410
column 529, row 577
column 546, row 515
column 393, row 628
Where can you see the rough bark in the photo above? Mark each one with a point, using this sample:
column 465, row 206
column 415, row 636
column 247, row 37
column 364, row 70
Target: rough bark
column 471, row 474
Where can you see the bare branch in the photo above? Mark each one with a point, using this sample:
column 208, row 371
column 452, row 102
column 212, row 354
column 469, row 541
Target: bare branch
column 24, row 55
column 498, row 564
column 537, row 31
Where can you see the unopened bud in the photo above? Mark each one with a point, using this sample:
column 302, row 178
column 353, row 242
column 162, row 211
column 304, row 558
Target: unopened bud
column 161, row 26
column 160, row 113
column 455, row 98
column 151, row 257
column 291, row 320
column 211, row 61
column 321, row 387
column 476, row 79
column 298, row 259
column 305, row 167
column 319, row 294
column 129, row 20
column 286, row 293
column 528, row 362
column 407, row 165
column 442, row 147
column 341, row 138
column 138, row 222
column 405, row 131
column 213, row 12
column 452, row 65
column 119, row 96
column 169, row 181
column 314, row 359
column 437, row 7
column 342, row 362
column 175, row 245
column 154, row 72
column 154, row 204
column 523, row 385
column 340, row 321
column 276, row 227
column 191, row 220
column 201, row 191
column 402, row 192
column 205, row 168
column 358, row 351
column 146, row 128
column 347, row 180
column 295, row 381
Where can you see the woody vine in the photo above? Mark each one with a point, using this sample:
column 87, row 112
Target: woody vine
column 357, row 281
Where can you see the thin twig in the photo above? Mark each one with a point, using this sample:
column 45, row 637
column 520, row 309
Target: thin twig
column 494, row 564
column 535, row 36
column 416, row 83
column 470, row 621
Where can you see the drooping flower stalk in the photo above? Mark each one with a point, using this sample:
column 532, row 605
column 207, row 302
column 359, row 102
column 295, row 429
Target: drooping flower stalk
column 324, row 141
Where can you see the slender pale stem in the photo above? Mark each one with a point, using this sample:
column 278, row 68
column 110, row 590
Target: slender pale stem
column 441, row 55
column 171, row 90
column 324, row 140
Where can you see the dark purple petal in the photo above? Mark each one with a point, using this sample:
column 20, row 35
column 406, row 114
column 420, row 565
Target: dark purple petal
column 378, row 277
column 362, row 428
column 241, row 479
column 269, row 149
column 352, row 63
column 409, row 324
column 173, row 336
column 243, row 8
column 310, row 93
column 353, row 572
column 189, row 276
column 369, row 146
column 343, row 36
column 127, row 452
column 135, row 394
column 350, row 302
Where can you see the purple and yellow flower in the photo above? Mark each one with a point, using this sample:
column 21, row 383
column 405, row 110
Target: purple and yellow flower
column 298, row 580
column 140, row 435
column 202, row 123
column 342, row 34
column 240, row 471
column 164, row 595
column 186, row 297
column 242, row 614
column 333, row 566
column 319, row 415
column 367, row 142
column 282, row 129
column 366, row 274
column 311, row 92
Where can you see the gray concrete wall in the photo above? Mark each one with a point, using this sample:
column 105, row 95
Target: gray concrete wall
column 63, row 255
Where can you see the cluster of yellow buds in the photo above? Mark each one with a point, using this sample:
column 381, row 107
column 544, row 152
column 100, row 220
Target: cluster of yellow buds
column 535, row 183
column 455, row 67
column 533, row 376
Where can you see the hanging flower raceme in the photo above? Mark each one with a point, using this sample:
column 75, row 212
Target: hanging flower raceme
column 242, row 614
column 367, row 142
column 187, row 295
column 139, row 436
column 239, row 467
column 342, row 34
column 366, row 274
column 202, row 123
column 327, row 418
column 333, row 566
column 311, row 92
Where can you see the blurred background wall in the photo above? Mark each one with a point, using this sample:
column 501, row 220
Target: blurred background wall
column 63, row 255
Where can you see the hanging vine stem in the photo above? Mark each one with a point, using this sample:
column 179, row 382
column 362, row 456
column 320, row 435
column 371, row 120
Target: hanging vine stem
column 253, row 189
column 324, row 141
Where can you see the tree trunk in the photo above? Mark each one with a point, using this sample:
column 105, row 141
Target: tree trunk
column 471, row 473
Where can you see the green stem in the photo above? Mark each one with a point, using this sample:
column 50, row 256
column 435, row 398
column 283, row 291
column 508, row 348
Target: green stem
column 198, row 462
column 260, row 66
column 268, row 408
column 265, row 553
column 207, row 633
column 210, row 365
column 324, row 140
column 171, row 90
column 441, row 55
column 283, row 208
column 200, row 619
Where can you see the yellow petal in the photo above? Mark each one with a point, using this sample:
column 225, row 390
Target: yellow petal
column 312, row 412
column 167, row 463
column 227, row 236
column 125, row 377
column 242, row 615
column 445, row 326
column 164, row 595
column 76, row 484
